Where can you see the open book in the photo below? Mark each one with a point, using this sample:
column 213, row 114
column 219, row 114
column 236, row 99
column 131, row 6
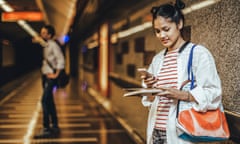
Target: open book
column 141, row 91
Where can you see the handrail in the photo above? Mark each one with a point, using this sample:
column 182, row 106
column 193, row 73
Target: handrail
column 124, row 81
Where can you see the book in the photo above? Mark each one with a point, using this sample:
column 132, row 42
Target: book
column 140, row 91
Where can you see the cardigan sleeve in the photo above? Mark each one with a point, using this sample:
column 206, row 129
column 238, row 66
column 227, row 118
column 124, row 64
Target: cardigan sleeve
column 208, row 91
column 152, row 70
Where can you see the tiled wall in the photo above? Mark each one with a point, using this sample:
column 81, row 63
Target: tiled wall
column 131, row 108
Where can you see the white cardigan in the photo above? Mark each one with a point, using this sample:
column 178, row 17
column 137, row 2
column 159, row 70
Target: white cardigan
column 207, row 92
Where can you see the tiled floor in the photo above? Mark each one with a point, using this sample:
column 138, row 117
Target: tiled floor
column 81, row 119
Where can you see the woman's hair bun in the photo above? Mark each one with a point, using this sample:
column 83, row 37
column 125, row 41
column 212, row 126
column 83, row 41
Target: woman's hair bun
column 179, row 4
column 154, row 10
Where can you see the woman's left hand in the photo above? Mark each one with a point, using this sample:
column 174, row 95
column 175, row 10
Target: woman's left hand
column 173, row 93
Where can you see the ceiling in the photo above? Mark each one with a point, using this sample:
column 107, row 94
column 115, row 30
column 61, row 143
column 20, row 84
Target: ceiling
column 78, row 17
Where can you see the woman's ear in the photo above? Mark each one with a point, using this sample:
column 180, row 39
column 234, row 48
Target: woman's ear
column 180, row 24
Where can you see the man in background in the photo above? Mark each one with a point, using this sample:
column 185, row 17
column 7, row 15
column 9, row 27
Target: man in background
column 53, row 63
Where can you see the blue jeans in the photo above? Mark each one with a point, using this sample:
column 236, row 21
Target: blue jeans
column 48, row 105
column 159, row 137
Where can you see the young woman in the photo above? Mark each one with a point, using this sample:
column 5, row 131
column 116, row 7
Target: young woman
column 169, row 69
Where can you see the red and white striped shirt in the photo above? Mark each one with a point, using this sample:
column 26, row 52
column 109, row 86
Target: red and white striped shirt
column 167, row 78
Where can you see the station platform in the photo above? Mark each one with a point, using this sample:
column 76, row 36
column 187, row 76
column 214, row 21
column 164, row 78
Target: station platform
column 82, row 120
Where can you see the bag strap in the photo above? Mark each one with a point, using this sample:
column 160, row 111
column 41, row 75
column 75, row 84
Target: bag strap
column 190, row 75
column 190, row 67
column 49, row 64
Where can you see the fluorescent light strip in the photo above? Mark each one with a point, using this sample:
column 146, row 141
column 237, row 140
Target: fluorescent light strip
column 2, row 2
column 31, row 31
column 146, row 25
column 27, row 27
column 134, row 29
column 6, row 7
column 93, row 44
column 199, row 5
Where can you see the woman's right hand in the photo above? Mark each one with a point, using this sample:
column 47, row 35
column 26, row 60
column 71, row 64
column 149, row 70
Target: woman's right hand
column 149, row 81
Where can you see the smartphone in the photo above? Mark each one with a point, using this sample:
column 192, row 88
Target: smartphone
column 143, row 71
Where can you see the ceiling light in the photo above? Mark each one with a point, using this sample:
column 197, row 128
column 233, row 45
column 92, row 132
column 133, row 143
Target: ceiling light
column 27, row 27
column 2, row 2
column 199, row 5
column 134, row 29
column 7, row 8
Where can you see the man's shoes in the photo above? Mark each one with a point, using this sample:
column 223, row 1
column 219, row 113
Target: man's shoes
column 45, row 133
column 48, row 133
column 55, row 130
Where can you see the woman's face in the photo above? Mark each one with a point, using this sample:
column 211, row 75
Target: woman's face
column 167, row 32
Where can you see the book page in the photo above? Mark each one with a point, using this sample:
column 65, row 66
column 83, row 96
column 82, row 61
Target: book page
column 141, row 91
